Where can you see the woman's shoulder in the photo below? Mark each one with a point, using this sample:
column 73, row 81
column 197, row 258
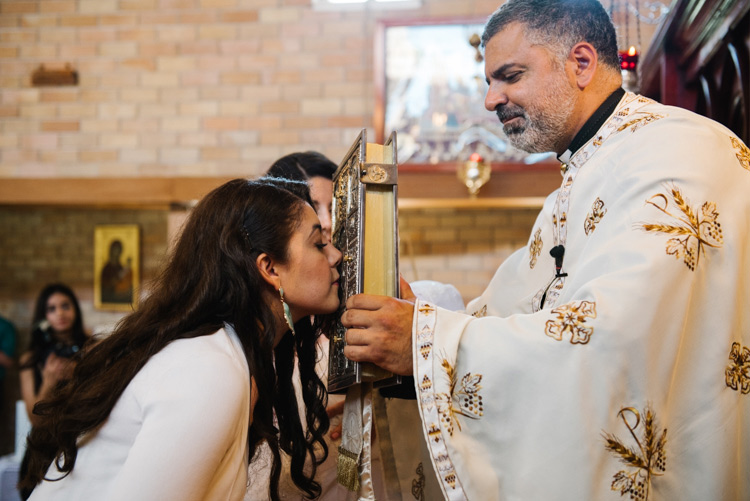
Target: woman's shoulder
column 200, row 369
column 212, row 345
column 209, row 356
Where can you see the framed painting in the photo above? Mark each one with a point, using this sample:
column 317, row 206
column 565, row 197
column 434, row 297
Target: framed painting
column 430, row 89
column 116, row 267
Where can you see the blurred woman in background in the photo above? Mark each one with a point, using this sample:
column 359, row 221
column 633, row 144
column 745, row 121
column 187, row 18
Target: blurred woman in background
column 57, row 334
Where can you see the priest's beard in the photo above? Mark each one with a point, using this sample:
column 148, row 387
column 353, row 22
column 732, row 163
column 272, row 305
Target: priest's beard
column 544, row 121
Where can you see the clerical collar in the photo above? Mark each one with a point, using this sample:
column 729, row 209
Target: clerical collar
column 593, row 124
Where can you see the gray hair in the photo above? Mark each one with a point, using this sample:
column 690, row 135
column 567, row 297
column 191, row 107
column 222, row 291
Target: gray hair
column 559, row 25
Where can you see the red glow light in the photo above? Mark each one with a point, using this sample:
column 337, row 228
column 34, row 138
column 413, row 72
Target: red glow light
column 629, row 59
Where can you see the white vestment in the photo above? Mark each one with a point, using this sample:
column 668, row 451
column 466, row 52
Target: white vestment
column 632, row 381
column 407, row 472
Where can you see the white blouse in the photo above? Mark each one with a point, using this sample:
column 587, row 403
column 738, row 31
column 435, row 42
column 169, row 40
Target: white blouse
column 179, row 430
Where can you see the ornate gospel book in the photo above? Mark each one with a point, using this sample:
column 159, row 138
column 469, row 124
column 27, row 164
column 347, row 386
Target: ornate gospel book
column 365, row 230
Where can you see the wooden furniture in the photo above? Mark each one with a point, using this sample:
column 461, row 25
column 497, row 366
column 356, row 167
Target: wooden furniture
column 700, row 60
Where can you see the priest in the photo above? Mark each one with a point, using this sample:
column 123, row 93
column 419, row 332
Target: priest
column 610, row 357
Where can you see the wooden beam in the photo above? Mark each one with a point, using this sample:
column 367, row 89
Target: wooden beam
column 166, row 192
column 406, row 204
column 109, row 192
column 533, row 182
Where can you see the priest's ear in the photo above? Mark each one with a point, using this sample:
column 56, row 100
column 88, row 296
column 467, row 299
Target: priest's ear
column 584, row 61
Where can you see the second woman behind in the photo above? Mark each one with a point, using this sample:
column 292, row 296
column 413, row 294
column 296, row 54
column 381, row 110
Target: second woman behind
column 57, row 334
column 163, row 408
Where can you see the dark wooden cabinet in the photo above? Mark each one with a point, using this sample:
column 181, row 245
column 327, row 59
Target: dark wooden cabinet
column 700, row 60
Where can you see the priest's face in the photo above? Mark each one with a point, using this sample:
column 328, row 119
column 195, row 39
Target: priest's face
column 530, row 91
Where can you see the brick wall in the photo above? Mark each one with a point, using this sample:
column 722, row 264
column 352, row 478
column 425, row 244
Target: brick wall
column 43, row 245
column 186, row 87
column 459, row 246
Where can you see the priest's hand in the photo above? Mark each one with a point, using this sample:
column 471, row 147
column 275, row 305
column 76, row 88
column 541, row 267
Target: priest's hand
column 379, row 330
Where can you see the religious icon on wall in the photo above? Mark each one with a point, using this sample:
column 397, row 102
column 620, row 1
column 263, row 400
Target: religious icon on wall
column 116, row 267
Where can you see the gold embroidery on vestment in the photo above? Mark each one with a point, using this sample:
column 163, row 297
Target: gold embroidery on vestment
column 694, row 228
column 649, row 460
column 481, row 312
column 535, row 248
column 434, row 432
column 639, row 122
column 743, row 155
column 451, row 479
column 425, row 349
column 571, row 318
column 425, row 332
column 738, row 372
column 444, row 467
column 466, row 396
column 418, row 484
column 593, row 217
column 426, row 308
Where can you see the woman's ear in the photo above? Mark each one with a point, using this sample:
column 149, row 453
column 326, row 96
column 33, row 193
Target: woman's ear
column 267, row 270
column 585, row 61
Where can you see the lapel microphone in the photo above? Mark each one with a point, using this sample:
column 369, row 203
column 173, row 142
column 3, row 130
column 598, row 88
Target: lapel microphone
column 558, row 252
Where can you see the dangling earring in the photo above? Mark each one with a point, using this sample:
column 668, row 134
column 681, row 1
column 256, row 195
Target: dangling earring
column 287, row 312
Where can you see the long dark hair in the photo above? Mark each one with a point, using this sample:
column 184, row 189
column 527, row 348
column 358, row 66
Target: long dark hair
column 211, row 278
column 42, row 340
